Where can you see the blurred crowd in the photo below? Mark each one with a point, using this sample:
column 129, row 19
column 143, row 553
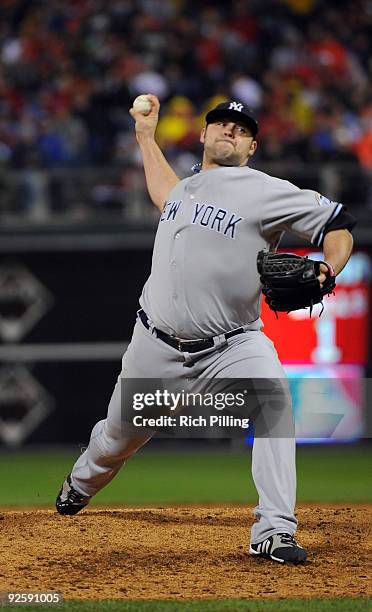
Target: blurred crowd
column 69, row 70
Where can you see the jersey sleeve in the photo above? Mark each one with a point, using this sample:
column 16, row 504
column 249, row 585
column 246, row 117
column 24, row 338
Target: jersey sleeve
column 303, row 212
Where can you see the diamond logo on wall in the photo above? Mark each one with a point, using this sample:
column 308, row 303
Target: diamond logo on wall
column 24, row 404
column 23, row 301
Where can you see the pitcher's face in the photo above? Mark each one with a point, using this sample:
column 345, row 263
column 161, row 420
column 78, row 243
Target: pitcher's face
column 227, row 143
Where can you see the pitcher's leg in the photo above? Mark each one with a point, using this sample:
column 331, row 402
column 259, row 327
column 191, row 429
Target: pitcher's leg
column 274, row 463
column 274, row 474
column 253, row 356
column 111, row 443
column 113, row 440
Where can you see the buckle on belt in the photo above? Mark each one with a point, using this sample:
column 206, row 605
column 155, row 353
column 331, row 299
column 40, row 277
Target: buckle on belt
column 180, row 342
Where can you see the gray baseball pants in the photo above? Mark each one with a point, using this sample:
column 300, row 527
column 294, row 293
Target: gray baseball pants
column 247, row 355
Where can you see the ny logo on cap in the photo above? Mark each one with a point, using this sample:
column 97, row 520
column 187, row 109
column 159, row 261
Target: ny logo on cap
column 236, row 106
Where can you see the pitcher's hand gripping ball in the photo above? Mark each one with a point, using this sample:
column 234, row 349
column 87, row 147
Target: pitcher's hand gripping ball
column 142, row 105
column 290, row 282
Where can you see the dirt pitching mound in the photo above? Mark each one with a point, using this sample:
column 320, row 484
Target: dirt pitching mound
column 190, row 553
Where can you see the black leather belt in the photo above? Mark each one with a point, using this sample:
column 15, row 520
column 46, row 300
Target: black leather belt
column 190, row 346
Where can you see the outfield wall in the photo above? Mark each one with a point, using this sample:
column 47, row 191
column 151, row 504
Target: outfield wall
column 66, row 315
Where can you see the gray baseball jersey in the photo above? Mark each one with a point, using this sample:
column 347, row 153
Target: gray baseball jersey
column 204, row 279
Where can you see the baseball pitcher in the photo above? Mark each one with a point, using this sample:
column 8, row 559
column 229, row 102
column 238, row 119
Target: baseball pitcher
column 199, row 316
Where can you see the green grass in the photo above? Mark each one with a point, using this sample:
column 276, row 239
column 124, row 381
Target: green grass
column 336, row 474
column 228, row 605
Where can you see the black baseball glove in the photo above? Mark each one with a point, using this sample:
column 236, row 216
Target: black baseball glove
column 290, row 282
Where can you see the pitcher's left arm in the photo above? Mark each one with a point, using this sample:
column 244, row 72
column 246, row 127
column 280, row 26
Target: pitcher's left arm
column 337, row 248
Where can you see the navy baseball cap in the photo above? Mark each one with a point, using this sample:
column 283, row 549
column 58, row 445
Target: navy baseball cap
column 237, row 111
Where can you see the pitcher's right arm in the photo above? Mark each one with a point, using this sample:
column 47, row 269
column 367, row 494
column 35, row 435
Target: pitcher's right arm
column 160, row 178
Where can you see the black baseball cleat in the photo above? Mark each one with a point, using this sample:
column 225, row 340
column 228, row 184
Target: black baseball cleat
column 281, row 547
column 69, row 501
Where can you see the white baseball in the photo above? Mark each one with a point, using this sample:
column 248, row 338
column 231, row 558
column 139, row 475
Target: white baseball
column 142, row 105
